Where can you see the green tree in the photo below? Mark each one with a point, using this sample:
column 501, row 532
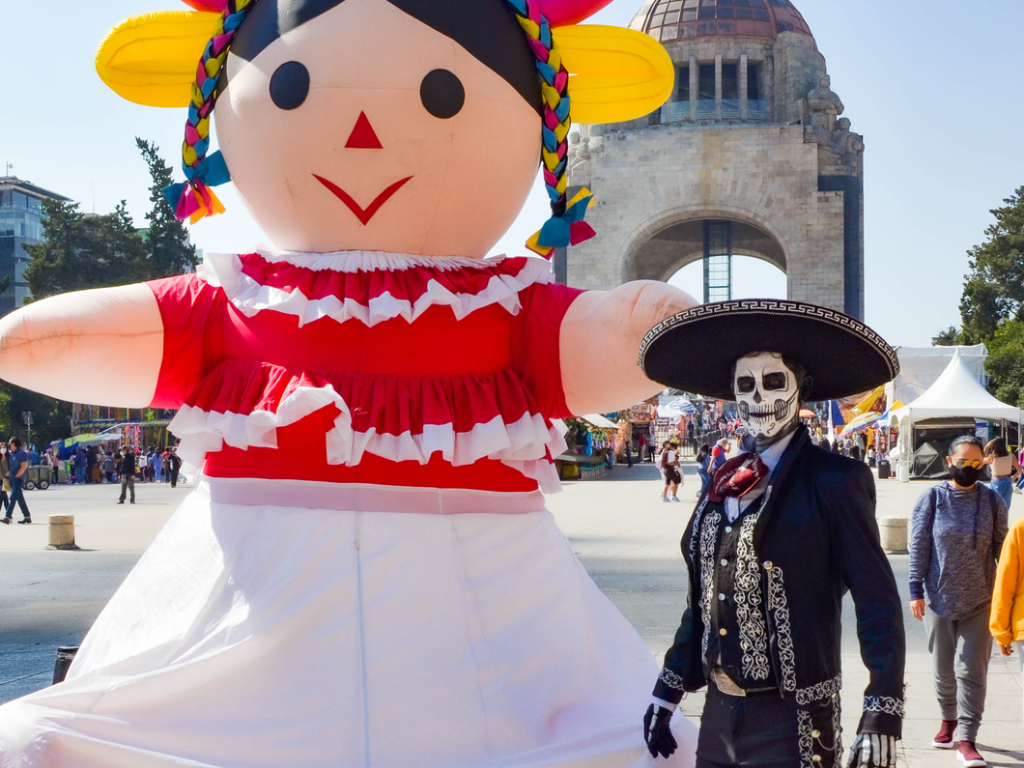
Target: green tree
column 994, row 290
column 947, row 338
column 1005, row 363
column 50, row 417
column 169, row 250
column 992, row 304
column 80, row 251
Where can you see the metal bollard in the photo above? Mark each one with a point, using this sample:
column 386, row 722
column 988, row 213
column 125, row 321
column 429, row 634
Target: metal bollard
column 62, row 532
column 893, row 533
column 65, row 655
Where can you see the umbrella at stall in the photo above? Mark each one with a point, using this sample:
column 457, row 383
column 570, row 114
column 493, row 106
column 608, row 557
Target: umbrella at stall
column 859, row 423
column 807, row 414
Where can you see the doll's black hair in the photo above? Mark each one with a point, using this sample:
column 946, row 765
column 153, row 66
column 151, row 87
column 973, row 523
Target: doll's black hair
column 487, row 29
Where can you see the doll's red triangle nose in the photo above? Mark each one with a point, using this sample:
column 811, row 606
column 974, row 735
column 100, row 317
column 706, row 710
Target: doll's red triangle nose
column 363, row 135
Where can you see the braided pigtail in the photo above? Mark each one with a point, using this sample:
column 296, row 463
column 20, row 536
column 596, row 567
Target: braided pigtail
column 194, row 199
column 566, row 225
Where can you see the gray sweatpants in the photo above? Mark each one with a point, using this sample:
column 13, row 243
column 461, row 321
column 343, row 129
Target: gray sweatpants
column 960, row 654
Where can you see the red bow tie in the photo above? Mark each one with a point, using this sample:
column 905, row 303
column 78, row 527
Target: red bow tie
column 737, row 477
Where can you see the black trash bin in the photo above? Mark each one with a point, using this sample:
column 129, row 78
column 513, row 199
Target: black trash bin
column 65, row 655
column 883, row 469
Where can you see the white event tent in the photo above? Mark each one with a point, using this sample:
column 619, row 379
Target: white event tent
column 956, row 393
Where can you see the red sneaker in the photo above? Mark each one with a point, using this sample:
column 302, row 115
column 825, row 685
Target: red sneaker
column 970, row 756
column 944, row 738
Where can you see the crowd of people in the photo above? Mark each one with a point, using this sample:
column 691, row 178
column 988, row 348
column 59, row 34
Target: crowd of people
column 86, row 465
column 96, row 464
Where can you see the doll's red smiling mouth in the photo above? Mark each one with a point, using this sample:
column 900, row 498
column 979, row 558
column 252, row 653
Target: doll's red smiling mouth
column 363, row 214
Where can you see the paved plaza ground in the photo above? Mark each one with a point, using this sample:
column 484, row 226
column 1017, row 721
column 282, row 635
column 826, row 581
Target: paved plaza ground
column 621, row 531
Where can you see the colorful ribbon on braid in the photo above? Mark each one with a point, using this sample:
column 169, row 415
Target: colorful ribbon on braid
column 566, row 225
column 194, row 199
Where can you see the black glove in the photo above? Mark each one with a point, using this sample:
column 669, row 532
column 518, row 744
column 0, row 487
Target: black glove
column 872, row 750
column 657, row 732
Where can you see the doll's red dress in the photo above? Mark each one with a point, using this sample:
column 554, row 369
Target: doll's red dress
column 366, row 574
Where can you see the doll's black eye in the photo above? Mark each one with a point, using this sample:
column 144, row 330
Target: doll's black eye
column 289, row 85
column 442, row 94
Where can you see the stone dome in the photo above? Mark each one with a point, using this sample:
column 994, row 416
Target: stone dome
column 668, row 20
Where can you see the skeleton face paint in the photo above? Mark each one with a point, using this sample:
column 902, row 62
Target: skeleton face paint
column 767, row 396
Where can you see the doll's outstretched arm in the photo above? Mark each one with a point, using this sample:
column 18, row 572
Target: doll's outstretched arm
column 102, row 346
column 600, row 339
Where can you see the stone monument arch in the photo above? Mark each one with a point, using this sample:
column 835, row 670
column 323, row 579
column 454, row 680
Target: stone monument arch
column 749, row 157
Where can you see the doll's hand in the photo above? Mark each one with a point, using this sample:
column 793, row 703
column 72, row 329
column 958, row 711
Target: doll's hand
column 657, row 732
column 873, row 750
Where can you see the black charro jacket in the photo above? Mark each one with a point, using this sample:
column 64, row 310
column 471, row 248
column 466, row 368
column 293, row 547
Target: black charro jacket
column 814, row 538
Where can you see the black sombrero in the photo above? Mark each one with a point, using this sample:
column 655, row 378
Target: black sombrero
column 695, row 350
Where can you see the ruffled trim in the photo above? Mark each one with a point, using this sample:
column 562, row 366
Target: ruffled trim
column 369, row 287
column 464, row 418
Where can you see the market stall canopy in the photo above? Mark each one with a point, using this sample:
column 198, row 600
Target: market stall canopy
column 674, row 407
column 957, row 393
column 599, row 421
column 860, row 423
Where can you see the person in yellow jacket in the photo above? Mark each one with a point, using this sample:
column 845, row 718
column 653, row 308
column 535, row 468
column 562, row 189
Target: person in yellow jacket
column 1006, row 622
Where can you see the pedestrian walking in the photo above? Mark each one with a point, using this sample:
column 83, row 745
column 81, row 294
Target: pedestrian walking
column 126, row 470
column 629, row 453
column 174, row 461
column 143, row 466
column 18, row 466
column 783, row 533
column 668, row 463
column 1006, row 621
column 719, row 454
column 704, row 467
column 81, row 464
column 958, row 529
column 1005, row 469
column 5, row 471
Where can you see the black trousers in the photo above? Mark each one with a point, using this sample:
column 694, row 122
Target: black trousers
column 758, row 730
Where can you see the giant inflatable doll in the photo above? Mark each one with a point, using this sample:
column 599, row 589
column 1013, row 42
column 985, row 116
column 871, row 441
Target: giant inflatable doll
column 366, row 574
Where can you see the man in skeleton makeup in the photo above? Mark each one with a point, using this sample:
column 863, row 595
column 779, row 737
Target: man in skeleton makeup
column 780, row 534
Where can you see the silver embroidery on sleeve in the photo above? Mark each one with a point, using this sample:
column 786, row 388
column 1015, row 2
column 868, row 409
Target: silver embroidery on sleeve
column 672, row 680
column 805, row 739
column 698, row 516
column 753, row 632
column 826, row 689
column 708, row 539
column 884, row 704
column 778, row 606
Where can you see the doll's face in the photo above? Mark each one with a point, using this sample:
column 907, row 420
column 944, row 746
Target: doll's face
column 366, row 129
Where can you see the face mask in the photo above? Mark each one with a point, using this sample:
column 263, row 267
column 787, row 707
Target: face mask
column 767, row 396
column 965, row 476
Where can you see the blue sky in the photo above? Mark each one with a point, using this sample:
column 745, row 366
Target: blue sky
column 935, row 87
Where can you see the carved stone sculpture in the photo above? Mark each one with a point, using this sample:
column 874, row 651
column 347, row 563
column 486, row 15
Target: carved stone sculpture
column 825, row 106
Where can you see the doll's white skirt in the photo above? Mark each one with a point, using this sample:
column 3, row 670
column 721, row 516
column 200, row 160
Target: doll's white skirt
column 251, row 636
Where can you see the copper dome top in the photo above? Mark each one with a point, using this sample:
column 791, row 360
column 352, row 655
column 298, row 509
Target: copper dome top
column 681, row 19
